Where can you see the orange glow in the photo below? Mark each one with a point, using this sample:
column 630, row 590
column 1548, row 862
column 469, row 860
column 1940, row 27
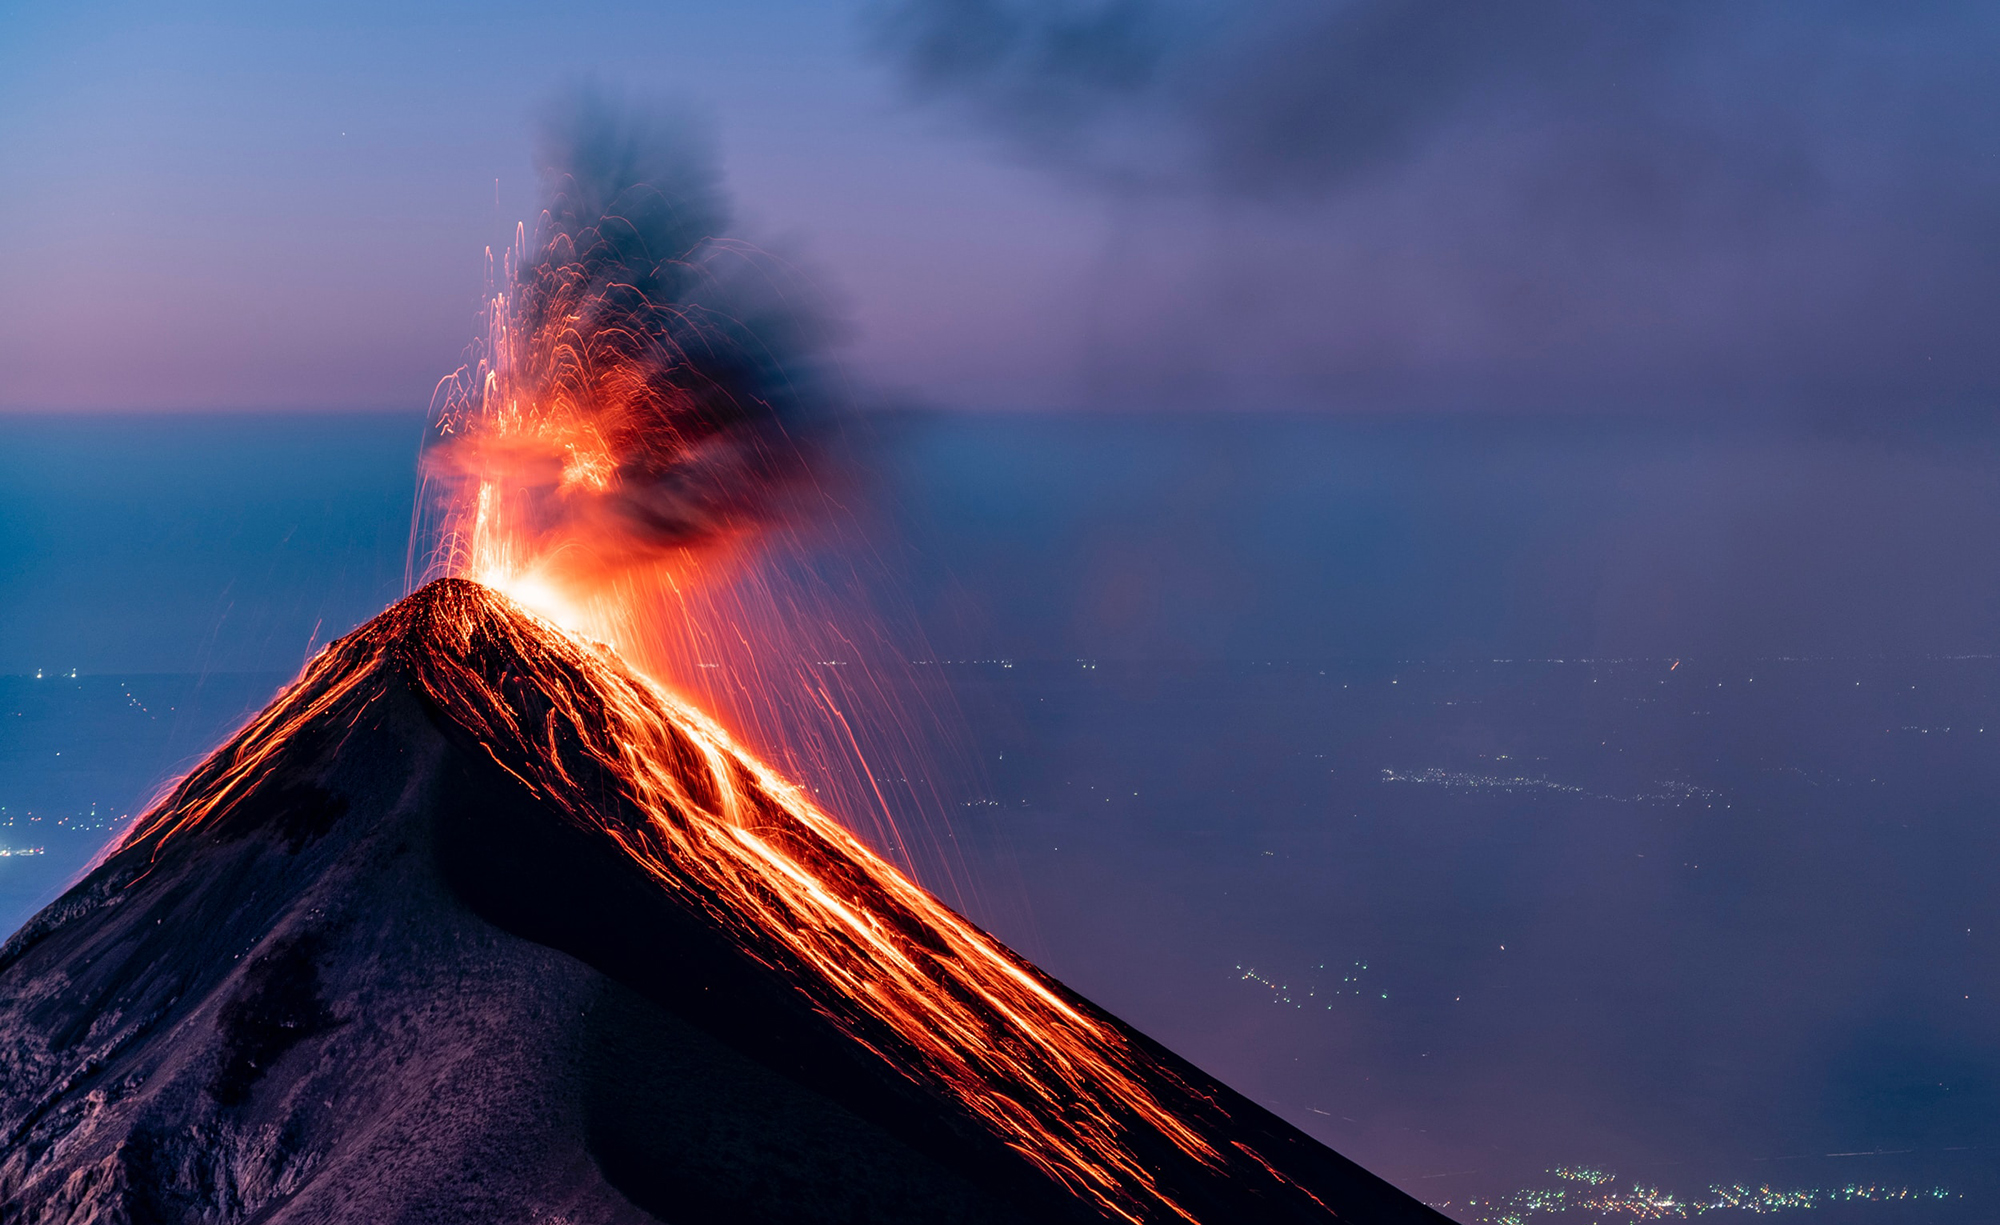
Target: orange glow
column 896, row 969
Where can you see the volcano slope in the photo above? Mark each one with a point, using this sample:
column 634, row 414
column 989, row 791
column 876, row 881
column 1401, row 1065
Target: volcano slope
column 473, row 924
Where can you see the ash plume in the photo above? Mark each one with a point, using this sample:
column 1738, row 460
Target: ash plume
column 1542, row 204
column 648, row 384
column 1278, row 98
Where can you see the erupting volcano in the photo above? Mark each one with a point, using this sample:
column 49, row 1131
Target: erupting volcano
column 479, row 921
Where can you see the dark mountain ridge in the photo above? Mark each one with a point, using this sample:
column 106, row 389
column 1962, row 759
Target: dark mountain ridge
column 409, row 949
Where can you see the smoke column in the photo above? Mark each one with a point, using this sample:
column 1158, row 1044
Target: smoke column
column 641, row 391
column 634, row 450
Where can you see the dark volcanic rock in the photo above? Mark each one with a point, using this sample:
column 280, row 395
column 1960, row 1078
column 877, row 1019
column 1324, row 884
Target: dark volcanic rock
column 385, row 983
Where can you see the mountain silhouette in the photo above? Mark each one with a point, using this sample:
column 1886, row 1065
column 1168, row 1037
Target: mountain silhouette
column 475, row 924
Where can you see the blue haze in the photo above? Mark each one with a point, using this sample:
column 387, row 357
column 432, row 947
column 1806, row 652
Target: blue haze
column 1485, row 797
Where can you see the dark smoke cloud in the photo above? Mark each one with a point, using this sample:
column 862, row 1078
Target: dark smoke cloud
column 636, row 323
column 1430, row 199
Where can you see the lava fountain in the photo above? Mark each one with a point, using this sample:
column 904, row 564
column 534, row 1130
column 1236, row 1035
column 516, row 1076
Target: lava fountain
column 636, row 411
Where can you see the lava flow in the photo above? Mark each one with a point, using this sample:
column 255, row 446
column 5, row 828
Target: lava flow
column 894, row 968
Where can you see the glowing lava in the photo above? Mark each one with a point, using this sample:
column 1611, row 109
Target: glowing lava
column 899, row 972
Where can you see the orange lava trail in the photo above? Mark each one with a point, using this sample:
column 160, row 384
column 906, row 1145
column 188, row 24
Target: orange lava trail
column 875, row 953
column 785, row 878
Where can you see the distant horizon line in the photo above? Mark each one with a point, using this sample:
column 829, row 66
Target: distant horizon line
column 1090, row 662
column 1949, row 418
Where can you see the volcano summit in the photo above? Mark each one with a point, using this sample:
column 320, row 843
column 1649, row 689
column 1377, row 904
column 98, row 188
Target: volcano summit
column 476, row 924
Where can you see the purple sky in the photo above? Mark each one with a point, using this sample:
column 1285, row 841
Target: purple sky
column 1362, row 206
column 238, row 207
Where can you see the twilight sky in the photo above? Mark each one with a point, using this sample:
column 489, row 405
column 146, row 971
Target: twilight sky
column 1373, row 204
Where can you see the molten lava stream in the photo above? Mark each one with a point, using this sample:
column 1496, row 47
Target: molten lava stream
column 894, row 968
column 876, row 951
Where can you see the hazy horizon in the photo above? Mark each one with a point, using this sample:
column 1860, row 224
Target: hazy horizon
column 1248, row 702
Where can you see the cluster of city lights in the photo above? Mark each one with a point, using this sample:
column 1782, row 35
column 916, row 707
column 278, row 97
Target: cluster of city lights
column 1588, row 1190
column 1284, row 993
column 1670, row 791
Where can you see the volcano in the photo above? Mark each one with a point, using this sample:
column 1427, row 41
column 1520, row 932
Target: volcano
column 474, row 923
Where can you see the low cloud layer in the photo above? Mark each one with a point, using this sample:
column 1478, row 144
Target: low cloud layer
column 1543, row 205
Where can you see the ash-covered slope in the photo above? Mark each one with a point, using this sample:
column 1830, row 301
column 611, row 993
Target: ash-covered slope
column 474, row 925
